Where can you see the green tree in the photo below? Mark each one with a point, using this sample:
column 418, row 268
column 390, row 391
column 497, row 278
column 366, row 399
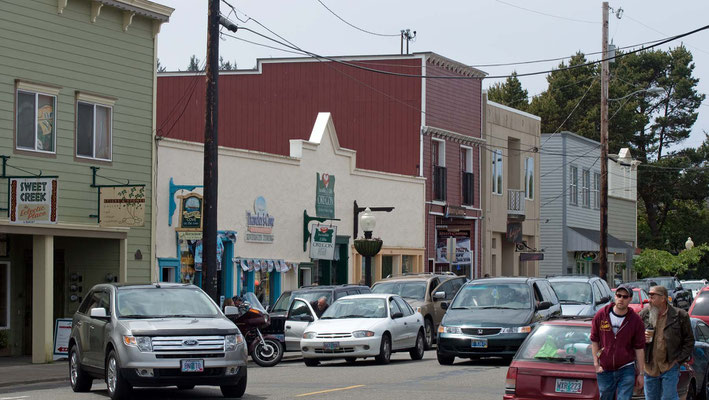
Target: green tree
column 509, row 93
column 652, row 262
column 160, row 67
column 194, row 64
column 226, row 65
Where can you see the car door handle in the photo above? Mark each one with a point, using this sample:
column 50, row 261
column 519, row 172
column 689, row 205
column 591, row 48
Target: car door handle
column 287, row 326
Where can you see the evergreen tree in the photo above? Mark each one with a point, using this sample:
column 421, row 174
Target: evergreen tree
column 194, row 64
column 509, row 93
column 226, row 66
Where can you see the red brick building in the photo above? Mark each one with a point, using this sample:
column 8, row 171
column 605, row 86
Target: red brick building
column 397, row 122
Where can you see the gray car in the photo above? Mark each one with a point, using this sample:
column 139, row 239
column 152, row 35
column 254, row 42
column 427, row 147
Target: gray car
column 155, row 335
column 581, row 295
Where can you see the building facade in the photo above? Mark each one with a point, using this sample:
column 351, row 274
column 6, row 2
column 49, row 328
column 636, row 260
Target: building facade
column 399, row 122
column 570, row 209
column 265, row 204
column 511, row 200
column 77, row 97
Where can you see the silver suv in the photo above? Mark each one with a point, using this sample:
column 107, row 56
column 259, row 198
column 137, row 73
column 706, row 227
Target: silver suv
column 155, row 335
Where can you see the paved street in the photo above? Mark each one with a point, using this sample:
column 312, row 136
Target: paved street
column 402, row 379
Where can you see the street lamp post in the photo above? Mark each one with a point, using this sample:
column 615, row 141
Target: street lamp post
column 368, row 247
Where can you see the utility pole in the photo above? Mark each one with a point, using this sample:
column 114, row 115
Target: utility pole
column 603, row 242
column 211, row 143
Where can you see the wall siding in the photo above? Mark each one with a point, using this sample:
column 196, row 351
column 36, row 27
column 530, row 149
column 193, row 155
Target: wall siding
column 622, row 219
column 552, row 173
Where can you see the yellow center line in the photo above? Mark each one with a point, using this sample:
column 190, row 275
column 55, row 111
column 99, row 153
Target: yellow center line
column 330, row 390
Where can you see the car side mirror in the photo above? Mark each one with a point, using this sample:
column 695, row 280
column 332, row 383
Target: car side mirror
column 544, row 305
column 307, row 318
column 439, row 295
column 98, row 312
column 680, row 287
column 397, row 315
column 603, row 300
column 231, row 310
column 444, row 305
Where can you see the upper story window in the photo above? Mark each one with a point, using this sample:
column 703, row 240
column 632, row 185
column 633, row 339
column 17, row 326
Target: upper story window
column 438, row 150
column 94, row 127
column 573, row 185
column 497, row 172
column 596, row 190
column 529, row 178
column 466, row 168
column 586, row 188
column 35, row 117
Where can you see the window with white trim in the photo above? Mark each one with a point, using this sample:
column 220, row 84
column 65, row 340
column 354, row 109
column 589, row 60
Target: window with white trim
column 574, row 185
column 596, row 190
column 586, row 188
column 35, row 118
column 529, row 178
column 94, row 127
column 497, row 172
column 4, row 295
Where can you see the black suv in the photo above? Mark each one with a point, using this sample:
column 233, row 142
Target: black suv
column 493, row 316
column 679, row 296
column 581, row 295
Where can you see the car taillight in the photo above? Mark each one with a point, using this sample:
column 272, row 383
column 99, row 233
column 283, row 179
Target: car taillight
column 511, row 380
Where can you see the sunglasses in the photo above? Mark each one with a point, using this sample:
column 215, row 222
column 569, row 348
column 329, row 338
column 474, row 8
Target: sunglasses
column 623, row 296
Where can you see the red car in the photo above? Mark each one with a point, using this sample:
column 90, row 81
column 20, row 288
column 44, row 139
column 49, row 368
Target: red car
column 700, row 306
column 640, row 299
column 556, row 362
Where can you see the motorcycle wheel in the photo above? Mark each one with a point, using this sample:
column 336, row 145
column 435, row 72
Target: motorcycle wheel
column 267, row 353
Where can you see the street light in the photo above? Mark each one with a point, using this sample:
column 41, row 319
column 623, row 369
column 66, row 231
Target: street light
column 368, row 222
column 689, row 244
column 368, row 247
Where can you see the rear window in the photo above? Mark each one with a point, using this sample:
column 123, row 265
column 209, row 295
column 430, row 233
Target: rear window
column 573, row 292
column 558, row 343
column 701, row 305
column 409, row 290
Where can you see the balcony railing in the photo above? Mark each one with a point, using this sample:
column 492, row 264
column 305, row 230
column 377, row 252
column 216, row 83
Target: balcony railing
column 515, row 202
column 439, row 183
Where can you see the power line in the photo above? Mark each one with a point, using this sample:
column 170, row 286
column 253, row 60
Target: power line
column 354, row 26
column 570, row 114
column 548, row 15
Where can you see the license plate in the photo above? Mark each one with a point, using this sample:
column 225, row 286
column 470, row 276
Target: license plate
column 331, row 345
column 192, row 365
column 478, row 343
column 569, row 386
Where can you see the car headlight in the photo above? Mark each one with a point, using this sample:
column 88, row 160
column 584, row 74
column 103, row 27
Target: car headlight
column 516, row 329
column 361, row 334
column 310, row 335
column 143, row 343
column 449, row 329
column 231, row 342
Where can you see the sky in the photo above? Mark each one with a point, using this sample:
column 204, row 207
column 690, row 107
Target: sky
column 473, row 32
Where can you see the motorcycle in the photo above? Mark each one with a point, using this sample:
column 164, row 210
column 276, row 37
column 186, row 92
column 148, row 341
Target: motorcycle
column 265, row 350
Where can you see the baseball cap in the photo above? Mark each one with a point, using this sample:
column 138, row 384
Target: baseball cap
column 626, row 287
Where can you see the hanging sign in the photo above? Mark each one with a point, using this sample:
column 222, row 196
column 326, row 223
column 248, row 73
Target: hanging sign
column 514, row 232
column 33, row 200
column 122, row 206
column 325, row 195
column 190, row 213
column 259, row 224
column 322, row 242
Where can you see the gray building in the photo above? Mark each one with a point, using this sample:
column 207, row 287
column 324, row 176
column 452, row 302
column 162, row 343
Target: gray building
column 570, row 207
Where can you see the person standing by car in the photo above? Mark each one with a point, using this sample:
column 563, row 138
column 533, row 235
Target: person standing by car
column 670, row 342
column 618, row 342
column 319, row 306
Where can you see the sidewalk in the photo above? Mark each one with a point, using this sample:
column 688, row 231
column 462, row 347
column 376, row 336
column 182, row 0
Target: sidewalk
column 20, row 370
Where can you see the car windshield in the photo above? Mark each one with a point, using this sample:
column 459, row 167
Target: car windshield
column 409, row 290
column 668, row 283
column 701, row 305
column 356, row 308
column 558, row 343
column 493, row 295
column 636, row 297
column 573, row 292
column 313, row 295
column 693, row 285
column 282, row 303
column 164, row 303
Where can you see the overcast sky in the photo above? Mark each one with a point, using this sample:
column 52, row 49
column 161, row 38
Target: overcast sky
column 473, row 32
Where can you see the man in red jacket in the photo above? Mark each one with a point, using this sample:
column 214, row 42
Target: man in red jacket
column 618, row 343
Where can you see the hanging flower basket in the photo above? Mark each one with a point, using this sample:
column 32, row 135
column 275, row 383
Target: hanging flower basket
column 368, row 247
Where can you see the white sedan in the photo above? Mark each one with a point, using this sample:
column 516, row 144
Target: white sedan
column 364, row 325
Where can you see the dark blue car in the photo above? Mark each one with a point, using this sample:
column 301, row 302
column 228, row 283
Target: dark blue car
column 701, row 356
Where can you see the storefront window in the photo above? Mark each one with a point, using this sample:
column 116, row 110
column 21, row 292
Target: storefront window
column 407, row 264
column 387, row 266
column 5, row 295
column 262, row 286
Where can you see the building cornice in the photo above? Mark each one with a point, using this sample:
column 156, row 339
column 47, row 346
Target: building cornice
column 143, row 8
column 454, row 66
column 452, row 136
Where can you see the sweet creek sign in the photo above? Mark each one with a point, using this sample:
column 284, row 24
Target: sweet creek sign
column 33, row 200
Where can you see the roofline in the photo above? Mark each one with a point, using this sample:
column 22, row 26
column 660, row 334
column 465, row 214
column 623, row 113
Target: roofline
column 144, row 8
column 514, row 110
column 575, row 135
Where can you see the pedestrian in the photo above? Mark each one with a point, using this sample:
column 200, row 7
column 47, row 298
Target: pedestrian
column 670, row 342
column 618, row 342
column 319, row 306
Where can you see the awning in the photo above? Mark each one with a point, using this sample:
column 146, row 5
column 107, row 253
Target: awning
column 580, row 239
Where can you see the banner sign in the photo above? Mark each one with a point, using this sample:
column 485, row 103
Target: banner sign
column 190, row 213
column 259, row 224
column 122, row 206
column 33, row 200
column 62, row 333
column 463, row 253
column 325, row 196
column 322, row 242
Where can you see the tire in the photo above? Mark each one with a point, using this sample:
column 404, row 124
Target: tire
column 185, row 387
column 267, row 353
column 428, row 329
column 417, row 352
column 237, row 390
column 691, row 392
column 350, row 360
column 384, row 350
column 445, row 360
column 311, row 362
column 79, row 379
column 118, row 387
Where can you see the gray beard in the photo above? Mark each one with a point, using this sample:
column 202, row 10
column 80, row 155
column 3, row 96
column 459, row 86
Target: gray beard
column 654, row 313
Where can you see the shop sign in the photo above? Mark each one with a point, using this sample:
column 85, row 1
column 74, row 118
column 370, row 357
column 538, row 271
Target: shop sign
column 531, row 256
column 455, row 212
column 322, row 242
column 586, row 255
column 325, row 196
column 122, row 206
column 259, row 224
column 514, row 232
column 190, row 212
column 460, row 240
column 33, row 200
column 62, row 333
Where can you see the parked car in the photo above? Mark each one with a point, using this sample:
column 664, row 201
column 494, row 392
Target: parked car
column 680, row 296
column 700, row 306
column 580, row 295
column 492, row 316
column 700, row 356
column 642, row 284
column 365, row 325
column 155, row 335
column 556, row 362
column 695, row 286
column 639, row 301
column 419, row 291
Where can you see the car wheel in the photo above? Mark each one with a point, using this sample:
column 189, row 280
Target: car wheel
column 417, row 352
column 428, row 328
column 350, row 360
column 311, row 362
column 384, row 350
column 118, row 387
column 445, row 360
column 237, row 390
column 80, row 380
column 185, row 387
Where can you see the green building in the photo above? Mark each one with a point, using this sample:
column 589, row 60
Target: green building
column 77, row 112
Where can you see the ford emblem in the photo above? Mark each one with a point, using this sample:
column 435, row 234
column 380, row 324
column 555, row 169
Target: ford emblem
column 190, row 342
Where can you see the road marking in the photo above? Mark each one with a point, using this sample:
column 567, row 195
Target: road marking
column 327, row 391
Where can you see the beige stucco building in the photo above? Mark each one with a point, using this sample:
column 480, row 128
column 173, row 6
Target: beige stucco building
column 510, row 188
